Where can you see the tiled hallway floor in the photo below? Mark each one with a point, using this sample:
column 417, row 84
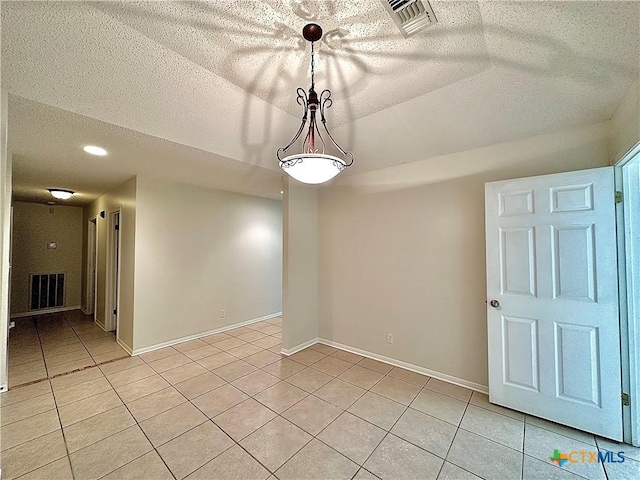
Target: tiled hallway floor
column 229, row 406
column 48, row 345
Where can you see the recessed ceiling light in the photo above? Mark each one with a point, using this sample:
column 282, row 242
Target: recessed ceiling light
column 281, row 192
column 93, row 150
column 61, row 193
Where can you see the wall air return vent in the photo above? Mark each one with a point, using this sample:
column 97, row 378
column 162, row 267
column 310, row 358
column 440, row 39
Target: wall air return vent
column 47, row 291
column 410, row 16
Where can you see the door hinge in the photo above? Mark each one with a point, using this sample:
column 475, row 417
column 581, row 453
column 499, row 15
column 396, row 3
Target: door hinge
column 117, row 227
column 115, row 311
column 618, row 196
column 626, row 401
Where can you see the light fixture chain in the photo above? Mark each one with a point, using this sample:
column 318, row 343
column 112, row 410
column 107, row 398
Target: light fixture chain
column 312, row 67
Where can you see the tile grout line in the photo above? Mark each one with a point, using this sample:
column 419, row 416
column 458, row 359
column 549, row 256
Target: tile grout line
column 208, row 419
column 305, row 366
column 187, row 401
column 64, row 438
column 32, row 415
column 137, row 424
column 557, row 433
column 74, row 332
column 555, row 466
column 524, row 433
column 68, row 454
column 249, row 397
column 387, row 432
column 422, row 388
column 279, row 415
column 458, row 428
column 308, row 394
column 44, row 356
column 398, row 419
column 84, row 342
column 46, row 369
column 39, row 436
column 606, row 474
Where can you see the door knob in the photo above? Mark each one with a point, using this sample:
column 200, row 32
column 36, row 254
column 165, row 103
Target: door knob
column 494, row 303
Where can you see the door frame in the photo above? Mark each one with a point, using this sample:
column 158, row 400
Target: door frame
column 112, row 295
column 5, row 239
column 92, row 267
column 628, row 226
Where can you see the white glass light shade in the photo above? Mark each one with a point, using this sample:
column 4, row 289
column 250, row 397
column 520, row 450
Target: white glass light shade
column 61, row 194
column 312, row 168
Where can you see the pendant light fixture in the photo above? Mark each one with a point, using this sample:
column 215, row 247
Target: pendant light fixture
column 313, row 165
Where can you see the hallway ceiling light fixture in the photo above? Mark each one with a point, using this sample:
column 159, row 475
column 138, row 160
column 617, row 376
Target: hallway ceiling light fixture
column 313, row 166
column 60, row 193
column 93, row 150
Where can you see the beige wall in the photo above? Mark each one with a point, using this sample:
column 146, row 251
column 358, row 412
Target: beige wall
column 199, row 251
column 300, row 276
column 122, row 198
column 625, row 123
column 34, row 226
column 403, row 251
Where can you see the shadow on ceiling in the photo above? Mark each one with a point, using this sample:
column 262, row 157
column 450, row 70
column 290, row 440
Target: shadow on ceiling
column 285, row 45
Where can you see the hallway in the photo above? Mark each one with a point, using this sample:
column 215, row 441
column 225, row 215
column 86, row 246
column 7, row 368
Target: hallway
column 46, row 346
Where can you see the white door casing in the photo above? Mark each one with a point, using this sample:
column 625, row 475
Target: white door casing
column 92, row 238
column 627, row 172
column 113, row 277
column 554, row 339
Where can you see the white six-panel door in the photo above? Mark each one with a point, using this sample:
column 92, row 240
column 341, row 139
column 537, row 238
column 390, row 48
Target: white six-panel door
column 554, row 338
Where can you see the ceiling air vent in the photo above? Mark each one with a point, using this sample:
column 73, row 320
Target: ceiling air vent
column 410, row 16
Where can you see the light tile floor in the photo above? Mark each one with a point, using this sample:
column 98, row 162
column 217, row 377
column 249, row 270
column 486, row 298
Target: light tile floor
column 44, row 346
column 229, row 406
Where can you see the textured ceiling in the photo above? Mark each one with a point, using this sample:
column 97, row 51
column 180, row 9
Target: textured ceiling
column 214, row 82
column 48, row 143
column 258, row 47
column 554, row 66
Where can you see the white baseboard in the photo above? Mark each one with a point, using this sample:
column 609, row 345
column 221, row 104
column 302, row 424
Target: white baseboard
column 297, row 348
column 45, row 312
column 408, row 366
column 124, row 346
column 138, row 351
column 100, row 325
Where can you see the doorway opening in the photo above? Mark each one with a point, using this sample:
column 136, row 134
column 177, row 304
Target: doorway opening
column 92, row 252
column 113, row 273
column 628, row 217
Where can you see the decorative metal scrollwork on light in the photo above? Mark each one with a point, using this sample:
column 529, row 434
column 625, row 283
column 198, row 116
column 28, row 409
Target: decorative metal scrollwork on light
column 313, row 165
